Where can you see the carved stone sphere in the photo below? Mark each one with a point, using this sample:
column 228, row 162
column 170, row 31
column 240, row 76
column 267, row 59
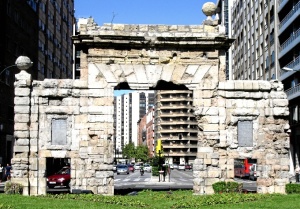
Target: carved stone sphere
column 209, row 8
column 23, row 62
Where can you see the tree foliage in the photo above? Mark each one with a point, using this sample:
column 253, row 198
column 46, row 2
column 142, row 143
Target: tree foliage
column 139, row 153
column 129, row 150
column 142, row 153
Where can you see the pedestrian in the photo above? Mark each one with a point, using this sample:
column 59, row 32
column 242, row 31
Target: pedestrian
column 8, row 172
column 1, row 172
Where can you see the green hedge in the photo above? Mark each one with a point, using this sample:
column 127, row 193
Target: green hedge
column 13, row 188
column 292, row 188
column 155, row 171
column 227, row 187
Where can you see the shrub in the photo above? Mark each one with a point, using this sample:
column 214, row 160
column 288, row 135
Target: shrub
column 227, row 187
column 13, row 188
column 292, row 188
column 155, row 171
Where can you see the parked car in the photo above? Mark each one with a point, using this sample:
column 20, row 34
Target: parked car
column 147, row 168
column 181, row 167
column 175, row 166
column 188, row 167
column 171, row 166
column 60, row 178
column 122, row 169
column 131, row 167
column 137, row 166
column 253, row 175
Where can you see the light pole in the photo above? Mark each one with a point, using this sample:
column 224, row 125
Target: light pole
column 289, row 69
column 22, row 62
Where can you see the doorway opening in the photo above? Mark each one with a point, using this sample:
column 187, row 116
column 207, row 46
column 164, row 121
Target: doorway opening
column 58, row 172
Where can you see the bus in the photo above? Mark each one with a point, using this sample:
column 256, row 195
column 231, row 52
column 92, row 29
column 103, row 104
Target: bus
column 242, row 167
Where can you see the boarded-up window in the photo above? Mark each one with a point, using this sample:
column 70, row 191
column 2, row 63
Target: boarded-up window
column 59, row 132
column 245, row 133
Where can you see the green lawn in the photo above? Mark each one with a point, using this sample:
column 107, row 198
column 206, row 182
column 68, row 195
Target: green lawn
column 152, row 200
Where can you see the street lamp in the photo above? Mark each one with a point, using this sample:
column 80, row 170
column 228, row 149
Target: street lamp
column 22, row 62
column 288, row 69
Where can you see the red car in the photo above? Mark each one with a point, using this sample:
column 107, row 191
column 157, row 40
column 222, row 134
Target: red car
column 131, row 168
column 188, row 167
column 61, row 178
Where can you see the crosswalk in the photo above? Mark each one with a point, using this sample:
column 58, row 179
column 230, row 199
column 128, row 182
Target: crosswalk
column 135, row 179
column 147, row 180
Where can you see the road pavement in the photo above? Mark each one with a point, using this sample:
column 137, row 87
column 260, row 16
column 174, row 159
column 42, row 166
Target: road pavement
column 135, row 182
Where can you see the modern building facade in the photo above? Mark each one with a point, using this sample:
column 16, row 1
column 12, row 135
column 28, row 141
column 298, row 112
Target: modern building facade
column 128, row 110
column 289, row 59
column 146, row 133
column 254, row 28
column 176, row 126
column 267, row 42
column 42, row 31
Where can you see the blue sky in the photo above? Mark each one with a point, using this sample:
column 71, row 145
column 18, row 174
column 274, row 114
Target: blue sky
column 168, row 12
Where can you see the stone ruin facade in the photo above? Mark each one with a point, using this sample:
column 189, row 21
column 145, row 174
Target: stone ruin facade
column 141, row 56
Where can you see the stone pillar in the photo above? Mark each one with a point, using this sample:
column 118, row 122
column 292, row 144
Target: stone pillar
column 20, row 161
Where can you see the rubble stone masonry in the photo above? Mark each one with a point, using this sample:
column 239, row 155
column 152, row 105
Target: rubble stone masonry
column 141, row 56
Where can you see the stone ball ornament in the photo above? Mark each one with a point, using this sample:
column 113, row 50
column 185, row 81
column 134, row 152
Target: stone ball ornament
column 209, row 9
column 23, row 63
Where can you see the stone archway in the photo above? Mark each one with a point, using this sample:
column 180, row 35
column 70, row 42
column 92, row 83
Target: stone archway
column 141, row 56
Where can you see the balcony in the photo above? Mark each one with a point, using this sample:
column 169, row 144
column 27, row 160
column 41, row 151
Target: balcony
column 176, row 130
column 293, row 92
column 289, row 17
column 290, row 43
column 178, row 122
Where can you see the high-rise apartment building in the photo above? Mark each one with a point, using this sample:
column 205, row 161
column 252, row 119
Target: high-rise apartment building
column 146, row 134
column 254, row 52
column 42, row 31
column 128, row 110
column 266, row 47
column 176, row 126
column 289, row 59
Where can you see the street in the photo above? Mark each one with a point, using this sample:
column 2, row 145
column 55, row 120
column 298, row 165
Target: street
column 177, row 179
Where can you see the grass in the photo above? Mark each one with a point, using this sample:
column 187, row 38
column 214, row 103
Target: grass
column 152, row 200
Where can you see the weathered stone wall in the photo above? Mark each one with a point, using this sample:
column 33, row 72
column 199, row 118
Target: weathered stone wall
column 142, row 55
column 218, row 112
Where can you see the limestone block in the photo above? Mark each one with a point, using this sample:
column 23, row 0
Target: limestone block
column 280, row 102
column 214, row 162
column 22, row 101
column 264, row 85
column 229, row 85
column 21, row 118
column 207, row 161
column 239, row 85
column 21, row 109
column 22, row 92
column 278, row 95
column 70, row 101
column 210, row 127
column 213, row 172
column 248, row 85
column 280, row 111
column 22, row 142
column 211, row 181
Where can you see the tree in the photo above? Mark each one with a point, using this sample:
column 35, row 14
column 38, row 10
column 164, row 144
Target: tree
column 129, row 151
column 142, row 153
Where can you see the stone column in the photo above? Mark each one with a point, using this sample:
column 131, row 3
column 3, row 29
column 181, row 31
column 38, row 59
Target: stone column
column 20, row 161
